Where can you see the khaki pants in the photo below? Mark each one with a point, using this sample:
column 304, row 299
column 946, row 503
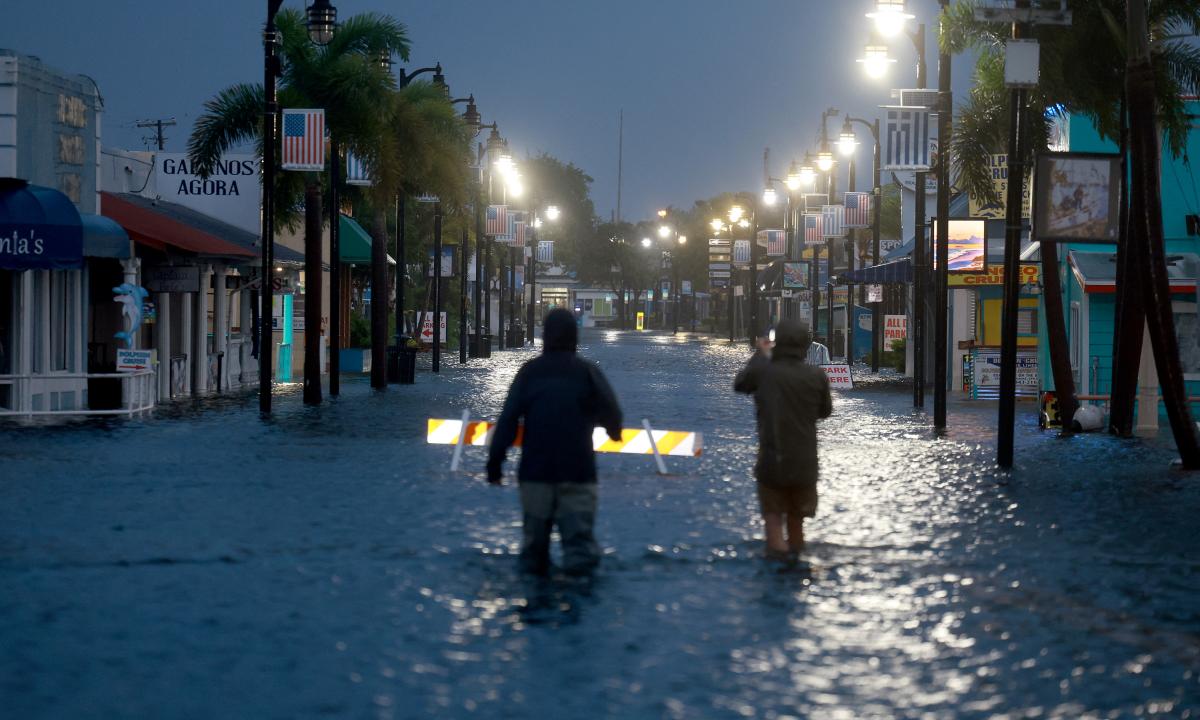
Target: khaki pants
column 572, row 506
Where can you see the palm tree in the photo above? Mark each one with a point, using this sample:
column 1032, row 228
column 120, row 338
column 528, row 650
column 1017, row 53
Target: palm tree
column 1084, row 71
column 345, row 78
column 424, row 148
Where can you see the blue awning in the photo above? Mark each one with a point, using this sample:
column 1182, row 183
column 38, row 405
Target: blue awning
column 898, row 271
column 103, row 237
column 39, row 228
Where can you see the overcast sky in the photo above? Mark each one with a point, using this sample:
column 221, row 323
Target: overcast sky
column 705, row 85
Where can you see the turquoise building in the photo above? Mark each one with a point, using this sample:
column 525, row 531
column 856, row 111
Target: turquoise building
column 1089, row 273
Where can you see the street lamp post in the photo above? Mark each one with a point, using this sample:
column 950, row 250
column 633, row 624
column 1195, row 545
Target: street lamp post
column 877, row 189
column 737, row 219
column 891, row 19
column 552, row 214
column 401, row 264
column 322, row 23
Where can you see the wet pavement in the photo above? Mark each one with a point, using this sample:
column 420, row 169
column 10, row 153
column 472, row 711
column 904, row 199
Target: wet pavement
column 204, row 563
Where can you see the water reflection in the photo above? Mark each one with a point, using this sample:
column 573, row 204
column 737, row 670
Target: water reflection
column 329, row 551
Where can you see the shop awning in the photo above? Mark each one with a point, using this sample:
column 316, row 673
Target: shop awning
column 1096, row 272
column 897, row 271
column 103, row 237
column 167, row 226
column 354, row 243
column 39, row 228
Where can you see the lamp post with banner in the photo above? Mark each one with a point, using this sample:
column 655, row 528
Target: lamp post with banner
column 891, row 18
column 322, row 23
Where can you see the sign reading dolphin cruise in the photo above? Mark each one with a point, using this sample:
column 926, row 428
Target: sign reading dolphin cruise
column 230, row 193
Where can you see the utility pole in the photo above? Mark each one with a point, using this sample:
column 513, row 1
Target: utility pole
column 158, row 126
column 942, row 248
column 1012, row 268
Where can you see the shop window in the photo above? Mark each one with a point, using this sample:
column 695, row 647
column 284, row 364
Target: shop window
column 62, row 320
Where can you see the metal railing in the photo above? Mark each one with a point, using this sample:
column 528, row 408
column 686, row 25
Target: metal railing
column 139, row 390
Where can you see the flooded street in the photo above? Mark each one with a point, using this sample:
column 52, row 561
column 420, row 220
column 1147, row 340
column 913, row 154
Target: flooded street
column 325, row 563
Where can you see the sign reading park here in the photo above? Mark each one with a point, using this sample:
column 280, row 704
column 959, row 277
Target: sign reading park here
column 229, row 194
column 839, row 376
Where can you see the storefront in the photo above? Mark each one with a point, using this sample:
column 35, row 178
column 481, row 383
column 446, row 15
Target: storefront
column 54, row 263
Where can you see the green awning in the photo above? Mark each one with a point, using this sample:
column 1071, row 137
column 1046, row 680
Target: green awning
column 355, row 243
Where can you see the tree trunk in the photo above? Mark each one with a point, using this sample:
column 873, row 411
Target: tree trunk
column 379, row 294
column 1129, row 316
column 1146, row 232
column 1056, row 332
column 313, row 243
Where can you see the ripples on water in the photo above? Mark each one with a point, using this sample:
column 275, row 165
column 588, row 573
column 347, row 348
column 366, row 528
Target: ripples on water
column 325, row 564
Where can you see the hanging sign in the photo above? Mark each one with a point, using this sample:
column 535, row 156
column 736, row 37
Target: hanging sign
column 874, row 293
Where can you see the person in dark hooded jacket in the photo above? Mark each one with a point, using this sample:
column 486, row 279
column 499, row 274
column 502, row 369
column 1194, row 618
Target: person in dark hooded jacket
column 790, row 395
column 561, row 398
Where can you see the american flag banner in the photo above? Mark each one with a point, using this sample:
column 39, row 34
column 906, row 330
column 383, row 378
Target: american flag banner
column 519, row 234
column 858, row 209
column 906, row 145
column 813, row 229
column 356, row 171
column 774, row 241
column 832, row 219
column 497, row 220
column 303, row 140
column 545, row 251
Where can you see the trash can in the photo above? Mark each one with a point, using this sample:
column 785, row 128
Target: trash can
column 478, row 350
column 401, row 364
column 516, row 337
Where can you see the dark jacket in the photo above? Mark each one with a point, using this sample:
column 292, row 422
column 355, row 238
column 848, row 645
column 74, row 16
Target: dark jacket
column 789, row 396
column 561, row 398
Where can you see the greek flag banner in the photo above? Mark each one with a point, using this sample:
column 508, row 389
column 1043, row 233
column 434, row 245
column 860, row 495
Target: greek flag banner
column 833, row 221
column 907, row 138
column 545, row 251
column 356, row 171
column 741, row 252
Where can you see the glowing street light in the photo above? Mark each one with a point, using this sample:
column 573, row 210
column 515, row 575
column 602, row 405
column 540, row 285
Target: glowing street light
column 717, row 224
column 875, row 60
column 807, row 175
column 664, row 231
column 793, row 181
column 647, row 242
column 824, row 160
column 769, row 196
column 552, row 213
column 889, row 17
column 683, row 239
column 847, row 142
column 735, row 213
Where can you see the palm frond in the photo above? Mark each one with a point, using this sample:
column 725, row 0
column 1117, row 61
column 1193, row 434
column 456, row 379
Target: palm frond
column 232, row 117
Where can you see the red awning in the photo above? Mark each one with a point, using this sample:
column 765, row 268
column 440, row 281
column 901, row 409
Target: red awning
column 156, row 230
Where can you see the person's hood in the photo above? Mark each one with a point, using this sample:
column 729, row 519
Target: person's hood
column 792, row 339
column 559, row 333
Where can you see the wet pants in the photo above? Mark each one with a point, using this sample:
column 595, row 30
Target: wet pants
column 571, row 506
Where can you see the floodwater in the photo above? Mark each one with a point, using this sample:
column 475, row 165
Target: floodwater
column 326, row 564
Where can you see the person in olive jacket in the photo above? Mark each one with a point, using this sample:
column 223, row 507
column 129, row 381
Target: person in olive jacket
column 561, row 398
column 790, row 395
